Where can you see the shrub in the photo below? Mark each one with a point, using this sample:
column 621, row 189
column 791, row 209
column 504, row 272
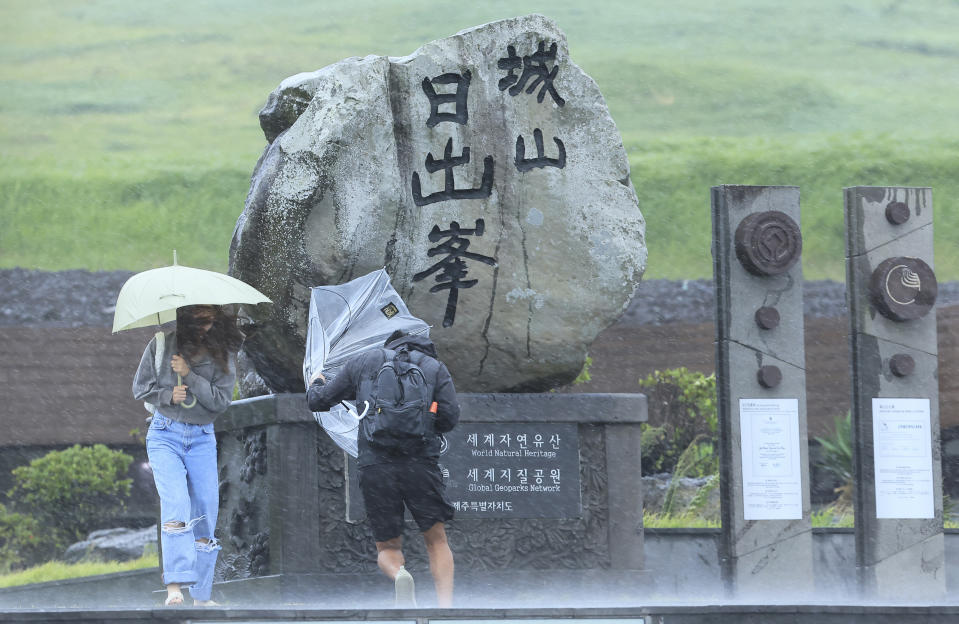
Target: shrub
column 584, row 375
column 682, row 421
column 677, row 521
column 75, row 490
column 833, row 516
column 58, row 570
column 837, row 459
column 22, row 541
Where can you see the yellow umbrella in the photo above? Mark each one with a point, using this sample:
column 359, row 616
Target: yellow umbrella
column 152, row 297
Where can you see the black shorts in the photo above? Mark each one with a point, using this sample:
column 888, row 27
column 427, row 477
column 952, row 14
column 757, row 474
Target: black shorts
column 387, row 487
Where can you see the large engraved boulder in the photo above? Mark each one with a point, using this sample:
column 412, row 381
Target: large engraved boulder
column 483, row 171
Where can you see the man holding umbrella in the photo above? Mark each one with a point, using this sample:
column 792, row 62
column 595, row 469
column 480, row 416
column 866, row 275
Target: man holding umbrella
column 400, row 469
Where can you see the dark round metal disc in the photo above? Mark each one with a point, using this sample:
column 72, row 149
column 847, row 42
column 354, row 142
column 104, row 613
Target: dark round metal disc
column 903, row 288
column 769, row 376
column 897, row 213
column 902, row 364
column 768, row 243
column 767, row 317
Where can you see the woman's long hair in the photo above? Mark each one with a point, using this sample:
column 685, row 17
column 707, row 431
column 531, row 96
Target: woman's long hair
column 222, row 341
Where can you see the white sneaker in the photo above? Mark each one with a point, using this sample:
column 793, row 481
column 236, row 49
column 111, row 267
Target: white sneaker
column 405, row 589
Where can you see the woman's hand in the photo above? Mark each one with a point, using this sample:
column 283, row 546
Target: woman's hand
column 179, row 394
column 179, row 366
column 317, row 375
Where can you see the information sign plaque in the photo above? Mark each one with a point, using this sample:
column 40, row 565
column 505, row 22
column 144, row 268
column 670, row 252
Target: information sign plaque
column 505, row 470
column 903, row 458
column 514, row 470
column 772, row 479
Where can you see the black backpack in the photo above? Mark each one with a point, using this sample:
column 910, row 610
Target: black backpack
column 399, row 416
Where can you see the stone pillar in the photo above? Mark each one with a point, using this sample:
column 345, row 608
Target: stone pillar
column 625, row 496
column 766, row 539
column 269, row 502
column 891, row 289
column 292, row 485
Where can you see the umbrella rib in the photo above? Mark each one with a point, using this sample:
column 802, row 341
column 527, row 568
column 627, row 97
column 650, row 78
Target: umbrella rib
column 348, row 307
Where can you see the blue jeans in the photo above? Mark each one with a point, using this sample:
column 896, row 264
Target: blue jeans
column 183, row 459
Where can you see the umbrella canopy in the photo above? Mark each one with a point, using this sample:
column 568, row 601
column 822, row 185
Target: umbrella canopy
column 345, row 321
column 152, row 297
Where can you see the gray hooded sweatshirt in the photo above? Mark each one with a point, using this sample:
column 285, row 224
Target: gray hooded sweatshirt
column 212, row 387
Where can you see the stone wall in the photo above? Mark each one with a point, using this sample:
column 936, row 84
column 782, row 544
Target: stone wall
column 283, row 494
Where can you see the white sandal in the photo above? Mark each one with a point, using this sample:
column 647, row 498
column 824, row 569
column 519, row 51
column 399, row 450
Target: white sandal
column 206, row 603
column 174, row 599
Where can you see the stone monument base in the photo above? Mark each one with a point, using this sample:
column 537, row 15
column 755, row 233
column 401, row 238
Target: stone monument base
column 543, row 485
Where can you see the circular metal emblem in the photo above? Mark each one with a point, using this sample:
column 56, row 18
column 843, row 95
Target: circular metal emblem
column 769, row 376
column 902, row 364
column 767, row 317
column 897, row 213
column 903, row 289
column 768, row 243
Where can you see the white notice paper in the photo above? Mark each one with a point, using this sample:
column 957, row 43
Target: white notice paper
column 902, row 442
column 772, row 479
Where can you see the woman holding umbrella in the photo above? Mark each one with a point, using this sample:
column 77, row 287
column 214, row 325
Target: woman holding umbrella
column 188, row 384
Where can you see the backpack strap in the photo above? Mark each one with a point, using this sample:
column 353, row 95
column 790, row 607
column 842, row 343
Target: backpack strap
column 160, row 339
column 388, row 355
column 410, row 353
column 369, row 377
column 413, row 356
column 161, row 347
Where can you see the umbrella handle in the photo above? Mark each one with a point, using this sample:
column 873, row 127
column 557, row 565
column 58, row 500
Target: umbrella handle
column 366, row 408
column 179, row 382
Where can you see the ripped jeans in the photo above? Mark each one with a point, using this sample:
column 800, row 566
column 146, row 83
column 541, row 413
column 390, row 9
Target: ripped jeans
column 183, row 459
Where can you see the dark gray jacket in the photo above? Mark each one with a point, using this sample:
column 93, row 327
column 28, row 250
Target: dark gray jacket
column 212, row 387
column 347, row 383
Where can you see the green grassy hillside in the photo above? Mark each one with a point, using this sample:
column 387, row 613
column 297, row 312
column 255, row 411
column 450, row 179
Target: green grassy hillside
column 123, row 125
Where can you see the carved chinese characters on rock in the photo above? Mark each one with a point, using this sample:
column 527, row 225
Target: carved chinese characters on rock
column 482, row 171
column 525, row 164
column 534, row 66
column 447, row 96
column 451, row 270
column 538, row 74
column 449, row 192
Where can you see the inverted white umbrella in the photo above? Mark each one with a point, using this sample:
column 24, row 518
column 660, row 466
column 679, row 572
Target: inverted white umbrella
column 346, row 320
